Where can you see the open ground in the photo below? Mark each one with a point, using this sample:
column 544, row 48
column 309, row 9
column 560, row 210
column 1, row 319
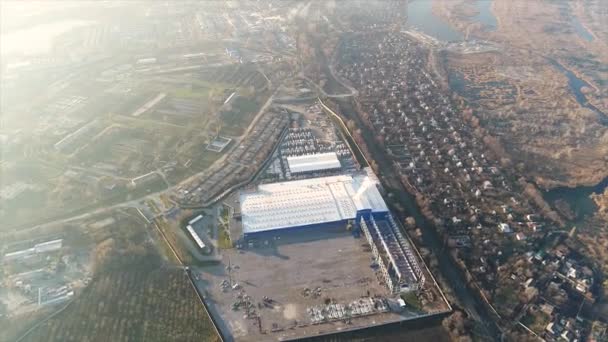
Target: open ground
column 283, row 270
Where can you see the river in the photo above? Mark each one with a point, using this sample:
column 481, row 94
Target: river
column 422, row 18
column 581, row 30
column 420, row 15
column 576, row 84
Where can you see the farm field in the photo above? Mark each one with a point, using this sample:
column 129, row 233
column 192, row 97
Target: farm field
column 10, row 330
column 143, row 301
column 236, row 120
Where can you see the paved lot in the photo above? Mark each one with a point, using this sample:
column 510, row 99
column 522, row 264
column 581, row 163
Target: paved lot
column 335, row 262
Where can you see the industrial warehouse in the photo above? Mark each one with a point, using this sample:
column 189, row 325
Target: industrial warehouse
column 313, row 204
column 309, row 203
column 394, row 254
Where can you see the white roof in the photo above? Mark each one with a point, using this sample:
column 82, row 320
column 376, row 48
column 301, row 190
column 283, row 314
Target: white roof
column 195, row 236
column 196, row 219
column 313, row 162
column 309, row 201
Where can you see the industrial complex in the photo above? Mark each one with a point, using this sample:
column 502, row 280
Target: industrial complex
column 314, row 254
column 285, row 170
column 317, row 248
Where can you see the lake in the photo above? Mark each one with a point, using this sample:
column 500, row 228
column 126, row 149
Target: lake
column 578, row 198
column 485, row 16
column 420, row 16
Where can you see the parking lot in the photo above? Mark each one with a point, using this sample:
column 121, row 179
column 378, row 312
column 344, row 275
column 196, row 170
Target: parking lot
column 304, row 285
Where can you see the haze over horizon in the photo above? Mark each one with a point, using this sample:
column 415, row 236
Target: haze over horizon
column 429, row 170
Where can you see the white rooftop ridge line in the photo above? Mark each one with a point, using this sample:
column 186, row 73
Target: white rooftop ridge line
column 313, row 162
column 308, row 202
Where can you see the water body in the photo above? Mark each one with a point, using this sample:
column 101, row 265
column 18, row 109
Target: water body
column 457, row 82
column 576, row 84
column 37, row 39
column 578, row 198
column 420, row 16
column 581, row 30
column 485, row 16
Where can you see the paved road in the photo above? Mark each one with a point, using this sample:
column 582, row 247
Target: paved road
column 155, row 195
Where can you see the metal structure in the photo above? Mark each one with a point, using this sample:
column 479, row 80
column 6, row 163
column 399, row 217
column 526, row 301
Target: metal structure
column 310, row 202
column 313, row 162
column 393, row 254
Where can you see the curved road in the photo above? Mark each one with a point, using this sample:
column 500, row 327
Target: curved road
column 134, row 202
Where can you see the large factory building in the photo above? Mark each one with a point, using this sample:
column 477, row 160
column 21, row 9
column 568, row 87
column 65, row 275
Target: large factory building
column 304, row 204
column 326, row 202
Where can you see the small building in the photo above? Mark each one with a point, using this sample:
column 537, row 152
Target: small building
column 49, row 246
column 567, row 335
column 144, row 179
column 218, row 144
column 547, row 309
column 505, row 228
column 43, row 247
column 19, row 254
column 549, row 328
column 196, row 238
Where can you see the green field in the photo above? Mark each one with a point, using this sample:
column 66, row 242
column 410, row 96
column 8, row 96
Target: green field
column 236, row 120
column 224, row 239
column 412, row 301
column 536, row 322
column 133, row 296
column 142, row 302
column 201, row 93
